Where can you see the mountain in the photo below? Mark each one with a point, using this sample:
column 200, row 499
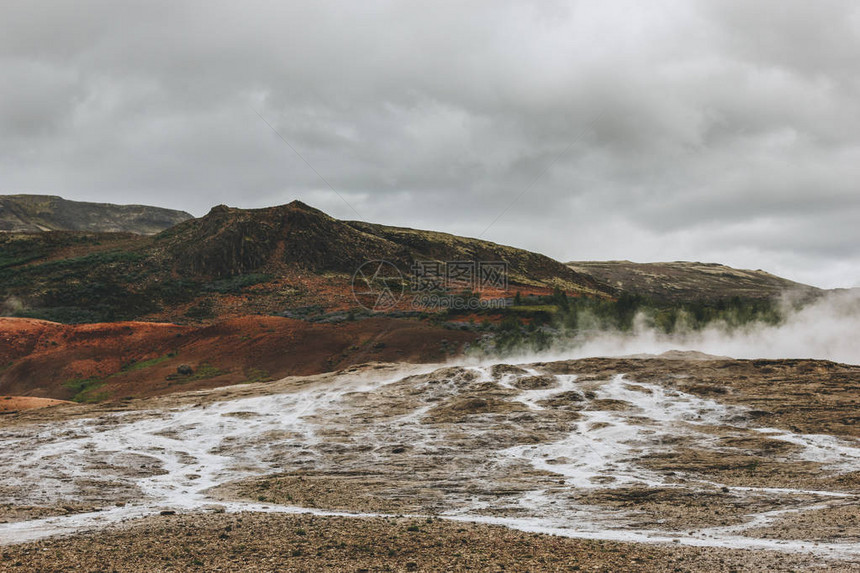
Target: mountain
column 235, row 262
column 525, row 268
column 35, row 213
column 229, row 241
column 687, row 281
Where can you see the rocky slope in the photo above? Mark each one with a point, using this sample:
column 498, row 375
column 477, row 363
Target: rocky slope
column 234, row 262
column 35, row 213
column 229, row 241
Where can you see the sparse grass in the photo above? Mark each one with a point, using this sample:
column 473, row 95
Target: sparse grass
column 236, row 283
column 84, row 389
column 203, row 310
column 204, row 371
column 534, row 309
column 257, row 375
column 11, row 260
column 143, row 364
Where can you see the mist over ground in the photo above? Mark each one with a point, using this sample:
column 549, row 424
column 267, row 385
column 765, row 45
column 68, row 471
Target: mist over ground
column 825, row 329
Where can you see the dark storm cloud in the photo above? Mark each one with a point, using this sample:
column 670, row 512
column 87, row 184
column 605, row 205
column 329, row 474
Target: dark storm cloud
column 723, row 131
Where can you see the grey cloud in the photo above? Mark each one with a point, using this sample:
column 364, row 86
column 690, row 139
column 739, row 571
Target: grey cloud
column 697, row 130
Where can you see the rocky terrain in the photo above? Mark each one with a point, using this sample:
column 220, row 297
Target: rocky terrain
column 39, row 213
column 646, row 464
column 308, row 543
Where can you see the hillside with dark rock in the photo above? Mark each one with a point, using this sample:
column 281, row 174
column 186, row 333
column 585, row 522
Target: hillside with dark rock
column 228, row 241
column 235, row 262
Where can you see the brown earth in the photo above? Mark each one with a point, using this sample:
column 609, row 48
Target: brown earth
column 842, row 522
column 110, row 361
column 408, row 477
column 305, row 543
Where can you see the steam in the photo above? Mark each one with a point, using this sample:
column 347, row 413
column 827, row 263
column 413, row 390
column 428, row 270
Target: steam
column 827, row 329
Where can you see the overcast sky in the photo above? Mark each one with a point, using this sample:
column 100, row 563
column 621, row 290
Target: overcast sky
column 724, row 131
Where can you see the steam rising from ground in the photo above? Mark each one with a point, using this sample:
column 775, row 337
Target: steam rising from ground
column 826, row 329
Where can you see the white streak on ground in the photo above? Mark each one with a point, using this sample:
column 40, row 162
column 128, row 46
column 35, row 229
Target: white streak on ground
column 195, row 449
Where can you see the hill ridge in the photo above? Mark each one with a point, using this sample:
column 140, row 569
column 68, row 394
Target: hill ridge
column 26, row 213
column 678, row 280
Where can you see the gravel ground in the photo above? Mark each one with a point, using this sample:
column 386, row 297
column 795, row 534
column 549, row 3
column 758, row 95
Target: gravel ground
column 717, row 453
column 303, row 543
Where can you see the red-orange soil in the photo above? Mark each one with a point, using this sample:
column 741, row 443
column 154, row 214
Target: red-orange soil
column 118, row 360
column 10, row 404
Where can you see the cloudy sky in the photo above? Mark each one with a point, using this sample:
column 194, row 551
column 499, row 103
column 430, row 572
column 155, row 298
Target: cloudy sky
column 725, row 131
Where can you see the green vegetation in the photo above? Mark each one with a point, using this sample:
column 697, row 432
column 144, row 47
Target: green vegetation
column 85, row 389
column 18, row 250
column 620, row 314
column 89, row 261
column 203, row 310
column 204, row 371
column 533, row 309
column 52, row 276
column 538, row 321
column 95, row 287
column 67, row 315
column 99, row 299
column 13, row 258
column 134, row 366
column 112, row 290
column 257, row 375
column 170, row 291
column 235, row 284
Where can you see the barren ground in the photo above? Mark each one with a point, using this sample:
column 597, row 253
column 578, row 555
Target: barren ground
column 597, row 464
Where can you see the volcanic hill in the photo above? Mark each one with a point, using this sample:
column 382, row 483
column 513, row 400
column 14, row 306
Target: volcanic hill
column 235, row 262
